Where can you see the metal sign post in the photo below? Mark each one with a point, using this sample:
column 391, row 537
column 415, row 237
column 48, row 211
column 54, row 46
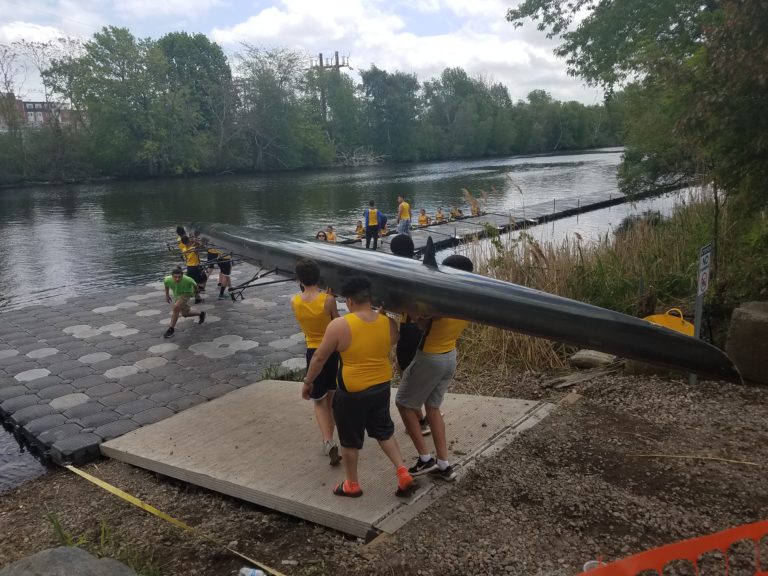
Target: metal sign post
column 705, row 256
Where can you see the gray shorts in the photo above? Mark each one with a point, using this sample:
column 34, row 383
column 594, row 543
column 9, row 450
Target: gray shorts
column 426, row 380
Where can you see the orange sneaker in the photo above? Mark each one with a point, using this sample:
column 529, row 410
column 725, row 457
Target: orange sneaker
column 347, row 488
column 405, row 482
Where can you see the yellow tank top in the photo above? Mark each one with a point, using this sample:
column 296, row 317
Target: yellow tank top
column 312, row 318
column 442, row 335
column 423, row 220
column 331, row 236
column 406, row 214
column 190, row 254
column 366, row 362
column 373, row 217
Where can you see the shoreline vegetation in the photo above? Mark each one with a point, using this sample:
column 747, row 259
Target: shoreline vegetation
column 648, row 264
column 120, row 106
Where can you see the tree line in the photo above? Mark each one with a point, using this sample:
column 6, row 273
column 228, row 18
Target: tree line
column 178, row 105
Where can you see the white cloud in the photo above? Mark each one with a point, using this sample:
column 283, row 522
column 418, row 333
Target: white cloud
column 484, row 43
column 15, row 31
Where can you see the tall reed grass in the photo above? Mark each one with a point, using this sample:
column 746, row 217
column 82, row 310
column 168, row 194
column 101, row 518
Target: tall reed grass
column 647, row 265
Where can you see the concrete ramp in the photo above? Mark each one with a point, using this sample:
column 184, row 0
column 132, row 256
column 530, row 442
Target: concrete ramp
column 261, row 444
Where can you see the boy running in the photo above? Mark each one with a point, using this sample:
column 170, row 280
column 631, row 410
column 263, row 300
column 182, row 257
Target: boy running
column 183, row 288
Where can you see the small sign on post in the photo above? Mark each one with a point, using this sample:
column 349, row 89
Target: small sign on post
column 705, row 257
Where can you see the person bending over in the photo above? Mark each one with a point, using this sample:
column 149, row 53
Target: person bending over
column 426, row 381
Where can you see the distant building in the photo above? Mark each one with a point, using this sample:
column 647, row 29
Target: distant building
column 32, row 114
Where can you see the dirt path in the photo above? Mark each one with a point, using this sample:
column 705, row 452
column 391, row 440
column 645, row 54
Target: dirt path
column 567, row 491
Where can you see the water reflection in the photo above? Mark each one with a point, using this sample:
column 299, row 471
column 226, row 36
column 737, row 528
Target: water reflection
column 63, row 241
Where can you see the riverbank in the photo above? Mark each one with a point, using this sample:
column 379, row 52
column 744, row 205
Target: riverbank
column 645, row 265
column 568, row 490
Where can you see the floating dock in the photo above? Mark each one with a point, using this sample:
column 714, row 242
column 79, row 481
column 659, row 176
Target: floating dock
column 261, row 444
column 454, row 232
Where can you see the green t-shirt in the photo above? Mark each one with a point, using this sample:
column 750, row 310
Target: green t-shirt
column 184, row 286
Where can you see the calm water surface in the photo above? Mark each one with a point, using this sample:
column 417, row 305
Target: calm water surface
column 59, row 242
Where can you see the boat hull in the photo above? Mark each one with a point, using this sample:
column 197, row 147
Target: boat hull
column 404, row 284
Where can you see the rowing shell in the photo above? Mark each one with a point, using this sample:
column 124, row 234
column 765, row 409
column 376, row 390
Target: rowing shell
column 403, row 284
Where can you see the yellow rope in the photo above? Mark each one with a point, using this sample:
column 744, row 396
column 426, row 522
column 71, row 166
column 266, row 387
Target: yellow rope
column 170, row 519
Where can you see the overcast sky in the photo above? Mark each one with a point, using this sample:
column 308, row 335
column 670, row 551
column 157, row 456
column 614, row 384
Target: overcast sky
column 418, row 36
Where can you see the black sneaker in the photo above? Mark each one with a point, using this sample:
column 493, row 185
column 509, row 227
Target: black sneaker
column 202, row 318
column 422, row 467
column 447, row 475
column 169, row 333
column 424, row 425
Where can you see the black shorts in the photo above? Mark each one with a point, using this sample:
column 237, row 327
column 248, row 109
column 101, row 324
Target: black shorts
column 225, row 267
column 197, row 274
column 212, row 257
column 326, row 380
column 358, row 412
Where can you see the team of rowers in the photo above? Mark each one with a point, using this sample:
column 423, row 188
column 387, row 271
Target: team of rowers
column 349, row 371
column 374, row 224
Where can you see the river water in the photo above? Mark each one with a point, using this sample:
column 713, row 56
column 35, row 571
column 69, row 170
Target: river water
column 59, row 242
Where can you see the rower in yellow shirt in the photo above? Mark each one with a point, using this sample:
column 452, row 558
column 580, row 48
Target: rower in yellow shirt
column 359, row 230
column 424, row 220
column 403, row 216
column 439, row 216
column 192, row 260
column 330, row 235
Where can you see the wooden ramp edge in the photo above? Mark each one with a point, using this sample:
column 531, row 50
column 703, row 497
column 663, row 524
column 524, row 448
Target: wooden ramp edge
column 261, row 444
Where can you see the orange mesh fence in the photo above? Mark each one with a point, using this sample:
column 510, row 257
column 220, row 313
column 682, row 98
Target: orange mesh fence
column 691, row 551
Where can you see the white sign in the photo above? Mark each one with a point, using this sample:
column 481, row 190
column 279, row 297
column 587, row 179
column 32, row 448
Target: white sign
column 705, row 255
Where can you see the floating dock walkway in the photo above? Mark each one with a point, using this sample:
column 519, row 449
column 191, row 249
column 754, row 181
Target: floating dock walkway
column 448, row 234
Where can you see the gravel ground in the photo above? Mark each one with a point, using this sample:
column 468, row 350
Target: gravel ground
column 568, row 490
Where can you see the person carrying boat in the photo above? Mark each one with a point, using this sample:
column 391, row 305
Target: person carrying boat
column 195, row 271
column 330, row 235
column 372, row 219
column 423, row 218
column 363, row 338
column 183, row 288
column 425, row 382
column 439, row 216
column 314, row 310
column 409, row 331
column 359, row 230
column 403, row 216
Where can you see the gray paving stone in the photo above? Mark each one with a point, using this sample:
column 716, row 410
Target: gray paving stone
column 12, row 392
column 99, row 419
column 135, row 406
column 120, row 372
column 84, row 410
column 165, row 370
column 50, row 360
column 21, row 340
column 195, row 384
column 88, row 381
column 21, row 367
column 185, row 402
column 278, row 356
column 134, row 380
column 225, row 374
column 69, row 344
column 69, row 401
column 115, row 429
column 152, row 387
column 94, row 357
column 109, row 345
column 42, row 383
column 122, row 349
column 60, row 367
column 77, row 449
column 55, row 391
column 59, row 433
column 107, row 365
column 184, row 374
column 195, row 361
column 76, row 373
column 102, row 390
column 117, row 399
column 35, row 427
column 168, row 395
column 21, row 417
column 42, row 352
column 215, row 390
column 13, row 404
column 152, row 415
